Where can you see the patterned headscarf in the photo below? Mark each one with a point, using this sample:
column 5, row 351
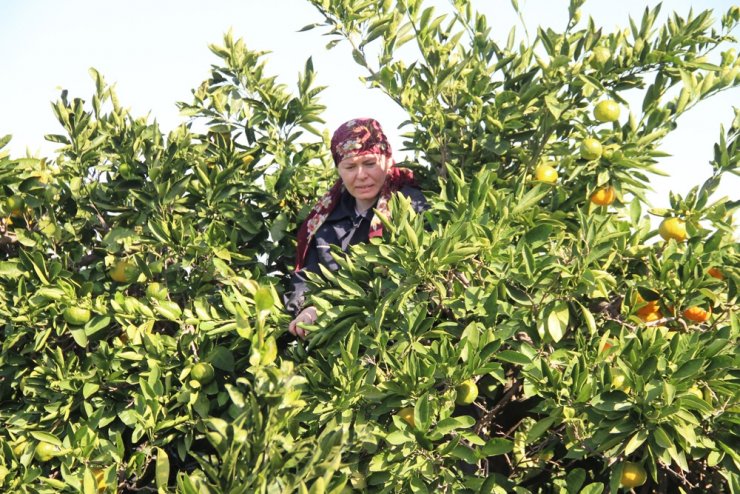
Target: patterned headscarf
column 353, row 138
column 358, row 137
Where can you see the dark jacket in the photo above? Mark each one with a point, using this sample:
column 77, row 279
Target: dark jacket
column 343, row 227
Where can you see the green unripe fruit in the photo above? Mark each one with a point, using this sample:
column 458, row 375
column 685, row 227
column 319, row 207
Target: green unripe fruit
column 203, row 372
column 600, row 55
column 76, row 316
column 607, row 111
column 46, row 451
column 591, row 149
column 15, row 204
column 466, row 393
column 125, row 170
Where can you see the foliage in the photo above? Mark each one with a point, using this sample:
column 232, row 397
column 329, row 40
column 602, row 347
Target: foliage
column 177, row 244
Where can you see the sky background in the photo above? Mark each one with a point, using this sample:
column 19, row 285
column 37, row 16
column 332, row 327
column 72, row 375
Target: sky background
column 157, row 51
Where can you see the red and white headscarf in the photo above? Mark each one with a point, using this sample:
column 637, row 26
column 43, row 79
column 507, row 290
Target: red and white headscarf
column 356, row 137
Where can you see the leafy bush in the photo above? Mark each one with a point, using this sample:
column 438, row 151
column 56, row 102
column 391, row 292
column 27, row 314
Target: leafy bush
column 144, row 342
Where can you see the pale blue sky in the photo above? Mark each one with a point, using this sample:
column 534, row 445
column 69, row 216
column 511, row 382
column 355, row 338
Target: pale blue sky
column 157, row 51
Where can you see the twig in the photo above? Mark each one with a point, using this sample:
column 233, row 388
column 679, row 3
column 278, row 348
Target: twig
column 487, row 419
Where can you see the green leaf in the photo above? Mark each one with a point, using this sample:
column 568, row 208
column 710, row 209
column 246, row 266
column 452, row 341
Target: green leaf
column 162, row 469
column 589, row 318
column 89, row 484
column 269, row 351
column 555, row 105
column 612, row 401
column 636, row 441
column 263, row 299
column 399, row 437
column 89, row 389
column 453, row 423
column 422, row 416
column 243, row 328
column 575, row 479
column 96, row 324
column 464, row 453
column 540, row 428
column 662, row 438
column 593, row 488
column 10, row 269
column 689, row 369
column 557, row 321
column 538, row 235
column 168, row 309
column 703, row 65
column 497, row 446
column 222, row 358
column 530, row 199
column 513, row 357
column 79, row 335
column 46, row 437
column 417, row 486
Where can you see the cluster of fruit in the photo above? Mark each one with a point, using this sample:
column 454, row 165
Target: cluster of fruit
column 591, row 149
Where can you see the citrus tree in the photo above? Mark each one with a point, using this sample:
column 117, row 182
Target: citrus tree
column 531, row 332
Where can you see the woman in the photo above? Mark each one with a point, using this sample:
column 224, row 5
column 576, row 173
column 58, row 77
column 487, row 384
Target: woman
column 344, row 215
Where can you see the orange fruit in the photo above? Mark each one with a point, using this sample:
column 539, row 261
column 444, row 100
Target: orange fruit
column 546, row 173
column 650, row 311
column 716, row 273
column 603, row 196
column 591, row 149
column 607, row 111
column 673, row 228
column 123, row 272
column 697, row 314
column 407, row 415
column 606, row 346
column 633, row 475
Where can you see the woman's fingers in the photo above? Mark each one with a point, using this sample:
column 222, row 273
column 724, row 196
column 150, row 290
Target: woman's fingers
column 296, row 330
column 306, row 316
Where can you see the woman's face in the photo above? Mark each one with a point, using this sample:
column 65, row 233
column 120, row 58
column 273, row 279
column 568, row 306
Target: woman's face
column 364, row 175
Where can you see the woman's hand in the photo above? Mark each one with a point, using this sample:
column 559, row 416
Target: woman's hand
column 306, row 316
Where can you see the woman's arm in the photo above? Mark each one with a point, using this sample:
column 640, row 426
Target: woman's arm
column 295, row 298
